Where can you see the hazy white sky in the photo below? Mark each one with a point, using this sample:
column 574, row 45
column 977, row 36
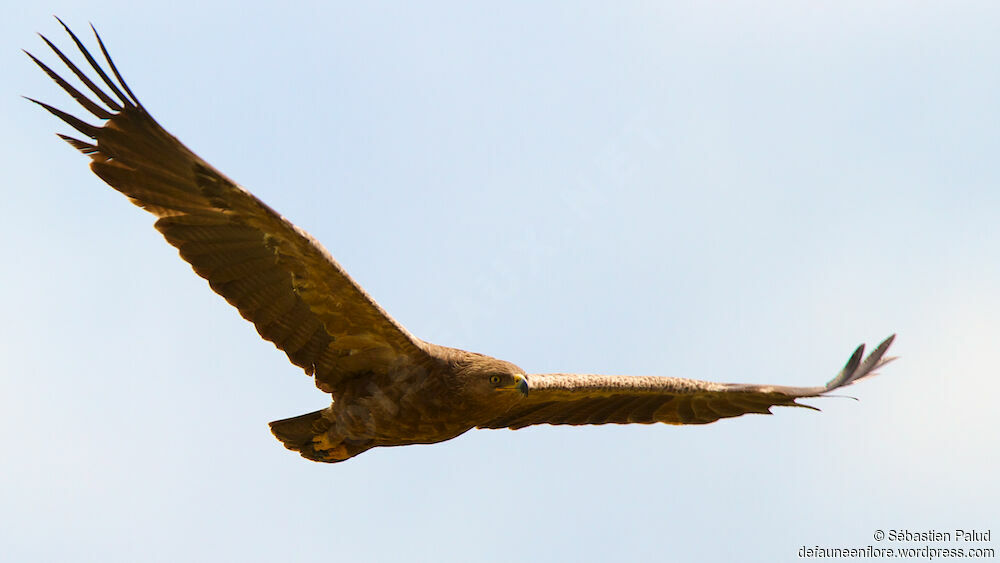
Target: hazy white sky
column 724, row 190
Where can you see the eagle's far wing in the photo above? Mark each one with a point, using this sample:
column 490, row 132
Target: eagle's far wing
column 596, row 399
column 280, row 278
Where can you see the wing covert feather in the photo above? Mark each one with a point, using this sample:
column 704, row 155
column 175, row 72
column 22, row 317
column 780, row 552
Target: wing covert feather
column 274, row 273
column 601, row 399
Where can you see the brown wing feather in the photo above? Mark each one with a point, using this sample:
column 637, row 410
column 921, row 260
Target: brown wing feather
column 596, row 399
column 279, row 277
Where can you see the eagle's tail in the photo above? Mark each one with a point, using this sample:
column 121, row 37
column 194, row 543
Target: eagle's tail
column 308, row 434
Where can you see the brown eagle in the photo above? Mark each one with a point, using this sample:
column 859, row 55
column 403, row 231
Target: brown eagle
column 388, row 387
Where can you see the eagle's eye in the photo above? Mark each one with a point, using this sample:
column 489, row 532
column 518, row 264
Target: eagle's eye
column 495, row 379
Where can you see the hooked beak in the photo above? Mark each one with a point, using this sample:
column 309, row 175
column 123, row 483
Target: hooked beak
column 521, row 384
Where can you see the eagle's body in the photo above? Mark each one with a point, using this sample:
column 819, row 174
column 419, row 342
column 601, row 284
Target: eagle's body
column 413, row 404
column 388, row 387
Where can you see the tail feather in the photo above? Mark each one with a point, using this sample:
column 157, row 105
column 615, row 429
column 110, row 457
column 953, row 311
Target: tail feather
column 297, row 433
column 307, row 434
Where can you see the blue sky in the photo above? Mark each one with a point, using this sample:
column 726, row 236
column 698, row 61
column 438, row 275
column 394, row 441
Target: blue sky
column 730, row 191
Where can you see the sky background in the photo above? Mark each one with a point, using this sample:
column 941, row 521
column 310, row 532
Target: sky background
column 731, row 191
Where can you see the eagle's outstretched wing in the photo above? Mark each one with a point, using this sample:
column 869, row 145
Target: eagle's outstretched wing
column 596, row 399
column 280, row 278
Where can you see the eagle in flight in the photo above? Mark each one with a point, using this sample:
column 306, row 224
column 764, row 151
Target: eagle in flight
column 387, row 387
